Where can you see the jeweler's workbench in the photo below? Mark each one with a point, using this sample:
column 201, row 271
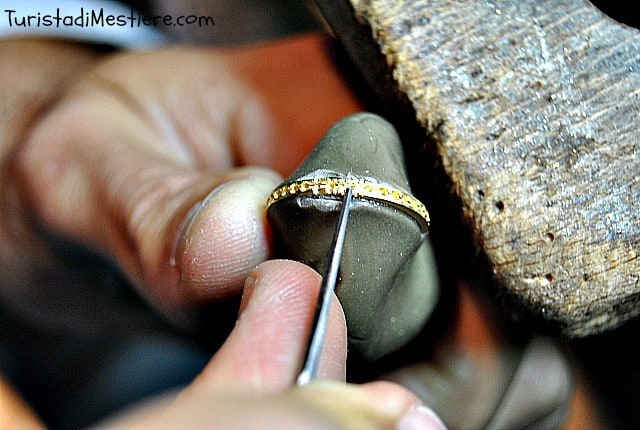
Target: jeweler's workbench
column 530, row 112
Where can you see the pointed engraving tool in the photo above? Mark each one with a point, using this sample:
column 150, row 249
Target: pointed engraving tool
column 329, row 280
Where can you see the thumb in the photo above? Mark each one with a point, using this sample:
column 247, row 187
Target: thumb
column 183, row 235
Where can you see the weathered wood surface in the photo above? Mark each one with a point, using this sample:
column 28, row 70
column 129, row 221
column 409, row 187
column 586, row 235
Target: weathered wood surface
column 534, row 109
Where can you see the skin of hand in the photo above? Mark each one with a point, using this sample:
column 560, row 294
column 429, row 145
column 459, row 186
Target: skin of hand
column 144, row 158
column 14, row 412
column 247, row 383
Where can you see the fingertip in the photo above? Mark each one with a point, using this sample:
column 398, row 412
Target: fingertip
column 280, row 276
column 411, row 412
column 225, row 238
column 394, row 396
column 372, row 406
column 420, row 417
column 294, row 278
column 264, row 351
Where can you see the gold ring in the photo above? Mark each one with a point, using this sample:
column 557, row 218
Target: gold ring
column 363, row 189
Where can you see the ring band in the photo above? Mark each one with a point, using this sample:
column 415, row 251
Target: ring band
column 362, row 189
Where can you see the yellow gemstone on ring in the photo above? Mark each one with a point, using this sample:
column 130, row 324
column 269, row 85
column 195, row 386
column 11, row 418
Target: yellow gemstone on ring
column 363, row 189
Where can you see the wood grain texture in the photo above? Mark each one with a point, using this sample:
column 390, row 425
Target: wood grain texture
column 534, row 108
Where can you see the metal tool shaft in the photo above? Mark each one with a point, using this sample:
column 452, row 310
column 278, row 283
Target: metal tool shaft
column 321, row 314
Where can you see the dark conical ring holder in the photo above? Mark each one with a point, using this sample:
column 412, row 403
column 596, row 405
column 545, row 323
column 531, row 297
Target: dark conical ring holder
column 387, row 283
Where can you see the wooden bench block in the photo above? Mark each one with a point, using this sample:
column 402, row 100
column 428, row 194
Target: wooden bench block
column 533, row 110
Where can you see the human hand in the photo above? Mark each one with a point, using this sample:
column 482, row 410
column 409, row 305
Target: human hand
column 249, row 382
column 143, row 160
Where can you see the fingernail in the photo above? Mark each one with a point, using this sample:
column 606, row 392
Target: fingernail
column 249, row 286
column 420, row 417
column 187, row 223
